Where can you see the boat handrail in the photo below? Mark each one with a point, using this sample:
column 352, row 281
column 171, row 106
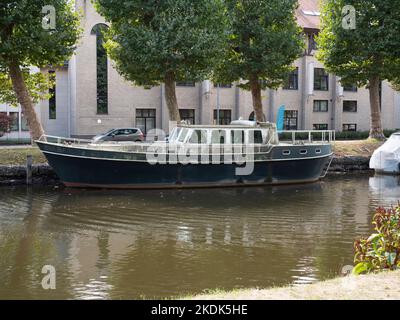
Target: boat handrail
column 143, row 147
column 325, row 136
column 63, row 140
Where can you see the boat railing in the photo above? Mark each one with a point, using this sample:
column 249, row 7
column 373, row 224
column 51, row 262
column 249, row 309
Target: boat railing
column 63, row 141
column 298, row 137
column 290, row 137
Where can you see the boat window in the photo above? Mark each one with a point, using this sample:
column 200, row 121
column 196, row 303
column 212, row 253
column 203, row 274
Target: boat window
column 303, row 151
column 237, row 136
column 174, row 134
column 286, row 152
column 183, row 134
column 198, row 137
column 255, row 136
column 318, row 151
column 218, row 137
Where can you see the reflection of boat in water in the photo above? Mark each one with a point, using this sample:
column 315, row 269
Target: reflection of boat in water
column 241, row 154
column 385, row 183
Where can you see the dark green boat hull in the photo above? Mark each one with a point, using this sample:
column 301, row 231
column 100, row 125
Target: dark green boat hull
column 108, row 169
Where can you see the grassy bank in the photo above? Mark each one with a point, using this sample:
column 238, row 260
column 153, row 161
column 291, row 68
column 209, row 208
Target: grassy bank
column 383, row 286
column 360, row 148
column 17, row 156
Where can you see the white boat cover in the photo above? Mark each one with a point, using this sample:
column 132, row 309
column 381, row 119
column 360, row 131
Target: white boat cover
column 386, row 159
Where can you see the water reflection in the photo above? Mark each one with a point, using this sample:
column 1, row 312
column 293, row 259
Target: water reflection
column 130, row 244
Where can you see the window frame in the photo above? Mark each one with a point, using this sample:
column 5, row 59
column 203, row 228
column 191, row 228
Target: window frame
column 142, row 113
column 224, row 116
column 293, row 77
column 288, row 117
column 348, row 125
column 320, row 126
column 350, row 111
column 321, row 77
column 190, row 117
column 319, row 109
column 186, row 84
column 53, row 98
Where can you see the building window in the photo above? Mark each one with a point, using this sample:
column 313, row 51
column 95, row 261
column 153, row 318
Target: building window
column 291, row 119
column 321, row 79
column 320, row 106
column 24, row 123
column 187, row 115
column 222, row 85
column 292, row 83
column 320, row 126
column 352, row 88
column 349, row 127
column 52, row 100
column 225, row 117
column 14, row 121
column 185, row 84
column 102, row 69
column 349, row 106
column 146, row 119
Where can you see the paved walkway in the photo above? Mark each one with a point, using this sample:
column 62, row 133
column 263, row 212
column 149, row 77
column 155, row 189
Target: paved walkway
column 382, row 286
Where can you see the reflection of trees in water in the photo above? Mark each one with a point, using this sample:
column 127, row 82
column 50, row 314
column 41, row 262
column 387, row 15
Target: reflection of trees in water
column 168, row 242
column 24, row 250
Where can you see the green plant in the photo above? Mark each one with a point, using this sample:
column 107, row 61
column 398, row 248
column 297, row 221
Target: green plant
column 381, row 251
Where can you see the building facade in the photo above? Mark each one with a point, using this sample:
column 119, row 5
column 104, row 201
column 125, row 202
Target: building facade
column 90, row 97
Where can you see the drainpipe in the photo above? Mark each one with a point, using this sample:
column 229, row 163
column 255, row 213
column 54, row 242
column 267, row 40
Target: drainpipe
column 334, row 102
column 200, row 113
column 271, row 105
column 162, row 106
column 237, row 101
column 304, row 90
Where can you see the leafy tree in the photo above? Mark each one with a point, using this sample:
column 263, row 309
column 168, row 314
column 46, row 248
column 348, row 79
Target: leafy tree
column 367, row 54
column 24, row 42
column 38, row 85
column 155, row 41
column 264, row 42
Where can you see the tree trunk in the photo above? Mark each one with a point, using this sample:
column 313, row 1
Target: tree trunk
column 376, row 131
column 25, row 101
column 257, row 102
column 170, row 97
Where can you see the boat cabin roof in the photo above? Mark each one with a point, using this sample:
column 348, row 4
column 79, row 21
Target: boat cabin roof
column 234, row 125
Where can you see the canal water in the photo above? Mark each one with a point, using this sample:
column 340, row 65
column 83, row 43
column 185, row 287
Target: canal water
column 155, row 244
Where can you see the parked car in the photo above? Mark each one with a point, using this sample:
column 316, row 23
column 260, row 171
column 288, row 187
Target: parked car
column 127, row 134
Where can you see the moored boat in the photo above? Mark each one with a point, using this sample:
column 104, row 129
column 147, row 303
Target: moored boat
column 241, row 154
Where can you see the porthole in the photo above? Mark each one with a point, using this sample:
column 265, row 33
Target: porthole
column 303, row 152
column 286, row 152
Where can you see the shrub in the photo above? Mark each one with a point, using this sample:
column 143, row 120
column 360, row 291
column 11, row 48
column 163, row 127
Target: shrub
column 381, row 251
column 5, row 122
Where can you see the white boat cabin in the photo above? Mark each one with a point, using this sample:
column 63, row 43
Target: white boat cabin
column 238, row 133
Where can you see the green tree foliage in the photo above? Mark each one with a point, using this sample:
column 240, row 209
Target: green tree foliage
column 264, row 42
column 25, row 42
column 38, row 85
column 367, row 54
column 155, row 41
